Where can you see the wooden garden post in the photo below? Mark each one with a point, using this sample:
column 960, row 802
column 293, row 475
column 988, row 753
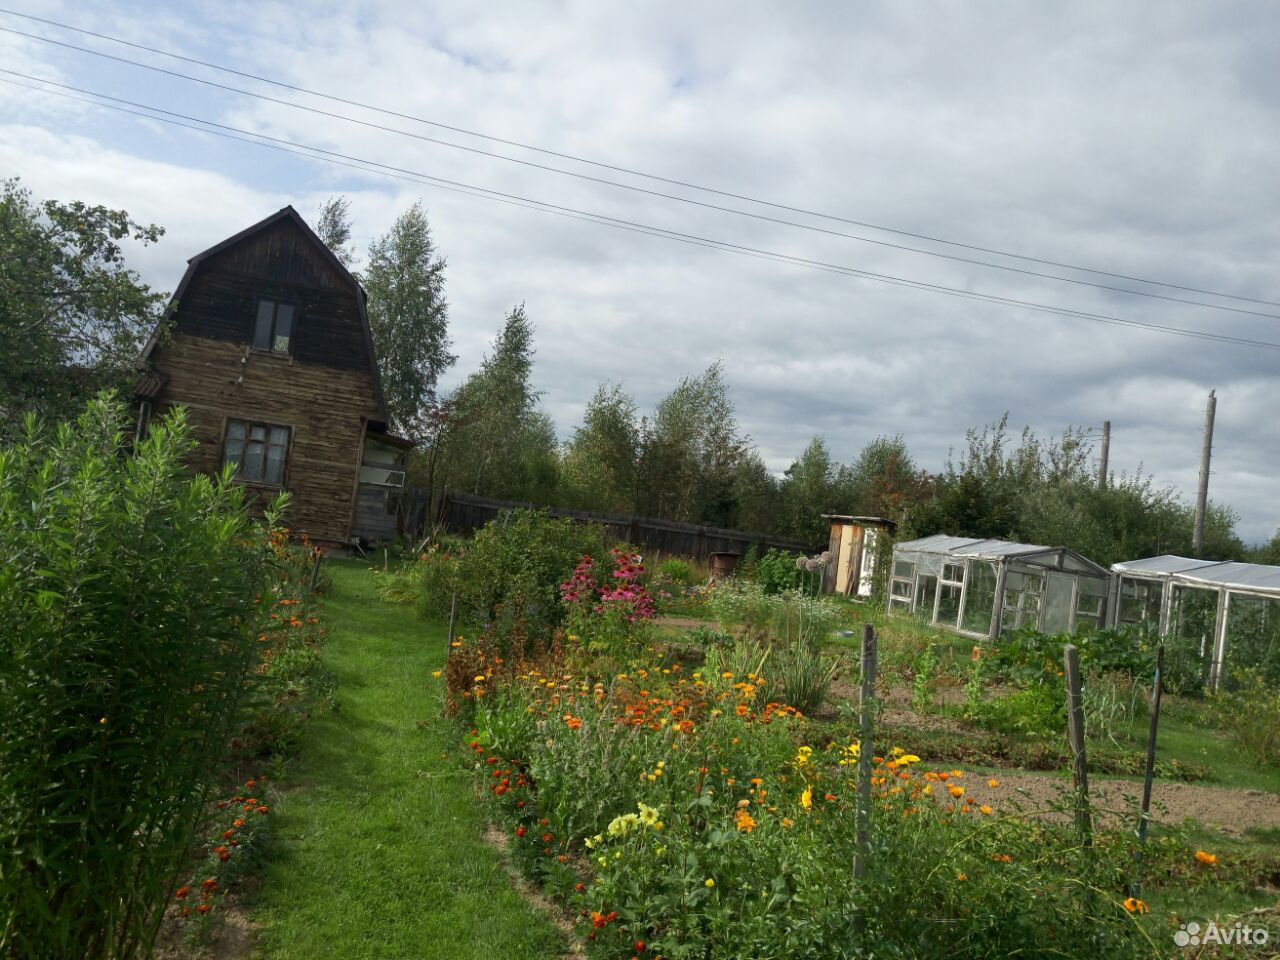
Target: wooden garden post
column 1145, row 818
column 453, row 617
column 866, row 724
column 316, row 558
column 1075, row 730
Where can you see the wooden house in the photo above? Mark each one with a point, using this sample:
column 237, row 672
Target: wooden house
column 266, row 344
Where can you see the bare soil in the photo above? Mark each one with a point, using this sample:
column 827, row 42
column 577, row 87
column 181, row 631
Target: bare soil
column 1228, row 809
column 534, row 896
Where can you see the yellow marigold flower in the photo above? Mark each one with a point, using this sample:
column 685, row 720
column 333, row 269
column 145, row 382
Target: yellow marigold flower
column 907, row 759
column 1134, row 905
column 727, row 675
column 956, row 792
column 962, row 877
column 986, row 810
column 993, row 783
column 1208, row 859
column 480, row 678
column 436, row 673
column 744, row 821
column 806, row 798
column 788, row 822
column 708, row 883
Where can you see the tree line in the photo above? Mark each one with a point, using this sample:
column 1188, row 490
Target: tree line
column 82, row 315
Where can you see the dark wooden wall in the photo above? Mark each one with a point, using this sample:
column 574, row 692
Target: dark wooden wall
column 465, row 513
column 323, row 391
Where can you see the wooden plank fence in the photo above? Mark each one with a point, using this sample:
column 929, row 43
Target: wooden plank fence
column 465, row 513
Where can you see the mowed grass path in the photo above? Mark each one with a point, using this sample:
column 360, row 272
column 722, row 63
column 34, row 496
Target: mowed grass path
column 379, row 851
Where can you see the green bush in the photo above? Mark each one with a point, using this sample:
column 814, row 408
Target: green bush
column 776, row 571
column 436, row 582
column 1250, row 712
column 128, row 626
column 509, row 580
column 676, row 571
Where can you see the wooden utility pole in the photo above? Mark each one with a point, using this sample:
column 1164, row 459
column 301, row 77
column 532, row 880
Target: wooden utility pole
column 1202, row 492
column 1106, row 454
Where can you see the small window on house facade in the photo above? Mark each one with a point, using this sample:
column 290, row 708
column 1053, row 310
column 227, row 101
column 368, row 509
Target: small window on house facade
column 274, row 326
column 258, row 451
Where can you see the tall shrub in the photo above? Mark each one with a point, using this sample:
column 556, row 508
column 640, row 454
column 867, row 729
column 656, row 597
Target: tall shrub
column 127, row 632
column 510, row 577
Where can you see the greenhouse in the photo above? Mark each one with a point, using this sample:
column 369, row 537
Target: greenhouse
column 1214, row 616
column 984, row 587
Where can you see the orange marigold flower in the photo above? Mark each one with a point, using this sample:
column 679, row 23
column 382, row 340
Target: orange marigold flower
column 743, row 709
column 209, row 884
column 986, row 810
column 203, row 908
column 182, row 893
column 1002, row 858
column 264, row 810
column 993, row 783
column 1134, row 905
column 956, row 792
column 1208, row 859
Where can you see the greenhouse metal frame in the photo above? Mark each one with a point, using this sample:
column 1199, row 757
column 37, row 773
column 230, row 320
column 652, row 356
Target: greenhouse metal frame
column 981, row 588
column 1204, row 609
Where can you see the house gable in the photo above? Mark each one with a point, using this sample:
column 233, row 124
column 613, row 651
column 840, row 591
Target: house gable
column 279, row 258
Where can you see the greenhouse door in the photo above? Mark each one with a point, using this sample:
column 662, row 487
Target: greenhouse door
column 1057, row 603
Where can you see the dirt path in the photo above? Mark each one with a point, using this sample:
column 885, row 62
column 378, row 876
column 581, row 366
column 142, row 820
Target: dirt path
column 1115, row 801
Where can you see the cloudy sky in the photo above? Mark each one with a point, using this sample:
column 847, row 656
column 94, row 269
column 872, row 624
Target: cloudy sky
column 1137, row 139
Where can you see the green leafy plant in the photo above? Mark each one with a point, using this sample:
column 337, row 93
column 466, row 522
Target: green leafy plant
column 128, row 627
column 510, row 577
column 1250, row 712
column 776, row 571
column 921, row 684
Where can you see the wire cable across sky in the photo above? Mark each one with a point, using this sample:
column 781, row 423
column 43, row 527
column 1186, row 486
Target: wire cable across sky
column 106, row 101
column 632, row 172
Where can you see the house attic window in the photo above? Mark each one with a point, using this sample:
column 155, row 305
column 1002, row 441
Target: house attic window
column 274, row 326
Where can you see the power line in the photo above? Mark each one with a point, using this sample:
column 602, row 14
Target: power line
column 645, row 190
column 373, row 166
column 632, row 172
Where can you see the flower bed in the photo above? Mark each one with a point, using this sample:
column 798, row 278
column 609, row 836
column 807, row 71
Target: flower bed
column 681, row 816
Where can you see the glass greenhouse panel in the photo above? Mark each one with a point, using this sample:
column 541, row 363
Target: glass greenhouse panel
column 1253, row 636
column 949, row 604
column 926, row 587
column 1140, row 600
column 980, row 600
column 1189, row 646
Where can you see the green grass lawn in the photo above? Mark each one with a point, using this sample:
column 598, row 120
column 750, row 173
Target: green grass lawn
column 378, row 849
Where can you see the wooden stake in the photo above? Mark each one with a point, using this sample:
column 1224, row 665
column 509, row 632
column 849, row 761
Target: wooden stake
column 1144, row 819
column 866, row 724
column 317, row 556
column 453, row 616
column 1075, row 730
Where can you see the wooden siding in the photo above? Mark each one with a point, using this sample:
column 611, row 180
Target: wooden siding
column 322, row 407
column 280, row 263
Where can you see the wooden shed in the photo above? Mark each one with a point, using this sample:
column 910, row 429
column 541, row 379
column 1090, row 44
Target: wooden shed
column 266, row 343
column 854, row 553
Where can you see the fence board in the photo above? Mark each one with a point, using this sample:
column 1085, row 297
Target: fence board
column 466, row 512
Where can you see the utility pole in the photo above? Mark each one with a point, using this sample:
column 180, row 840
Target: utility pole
column 1202, row 493
column 1106, row 454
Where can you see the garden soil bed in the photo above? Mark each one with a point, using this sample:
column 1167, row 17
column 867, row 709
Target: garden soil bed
column 1231, row 810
